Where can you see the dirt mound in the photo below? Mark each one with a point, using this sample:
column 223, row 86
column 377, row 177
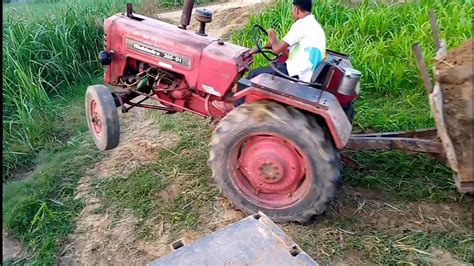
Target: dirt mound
column 227, row 16
column 228, row 20
column 455, row 75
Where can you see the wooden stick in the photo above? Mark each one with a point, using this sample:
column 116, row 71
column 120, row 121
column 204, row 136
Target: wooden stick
column 434, row 28
column 422, row 68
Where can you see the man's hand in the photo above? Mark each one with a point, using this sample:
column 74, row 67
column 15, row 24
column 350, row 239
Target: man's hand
column 268, row 45
column 272, row 36
column 273, row 44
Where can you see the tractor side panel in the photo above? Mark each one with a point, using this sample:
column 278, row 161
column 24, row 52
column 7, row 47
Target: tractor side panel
column 318, row 102
column 219, row 72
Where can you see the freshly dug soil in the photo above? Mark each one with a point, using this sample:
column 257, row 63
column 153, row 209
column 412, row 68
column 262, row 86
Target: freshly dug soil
column 456, row 79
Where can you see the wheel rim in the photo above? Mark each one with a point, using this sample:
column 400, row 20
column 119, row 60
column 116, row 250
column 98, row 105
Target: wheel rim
column 96, row 119
column 270, row 171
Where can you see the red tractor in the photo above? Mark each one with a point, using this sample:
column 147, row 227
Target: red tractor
column 278, row 153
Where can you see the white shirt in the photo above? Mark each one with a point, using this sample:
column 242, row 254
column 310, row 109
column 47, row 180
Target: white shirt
column 307, row 43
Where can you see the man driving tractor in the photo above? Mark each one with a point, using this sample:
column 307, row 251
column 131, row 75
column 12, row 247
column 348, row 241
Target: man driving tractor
column 304, row 45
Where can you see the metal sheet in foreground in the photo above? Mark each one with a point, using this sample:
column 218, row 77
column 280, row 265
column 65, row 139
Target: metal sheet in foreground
column 254, row 240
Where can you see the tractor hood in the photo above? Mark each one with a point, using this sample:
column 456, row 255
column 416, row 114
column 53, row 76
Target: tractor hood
column 206, row 62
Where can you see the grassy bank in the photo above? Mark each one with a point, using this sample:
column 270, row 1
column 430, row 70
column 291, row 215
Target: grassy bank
column 47, row 49
column 40, row 209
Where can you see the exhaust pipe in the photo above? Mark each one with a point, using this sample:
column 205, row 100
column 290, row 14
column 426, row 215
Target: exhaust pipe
column 129, row 10
column 186, row 15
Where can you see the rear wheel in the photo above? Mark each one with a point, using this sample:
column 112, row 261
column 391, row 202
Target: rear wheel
column 271, row 158
column 102, row 117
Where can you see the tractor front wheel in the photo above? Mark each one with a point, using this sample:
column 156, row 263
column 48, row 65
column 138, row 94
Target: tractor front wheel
column 271, row 158
column 102, row 117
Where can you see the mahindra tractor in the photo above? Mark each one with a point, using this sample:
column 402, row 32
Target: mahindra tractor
column 278, row 153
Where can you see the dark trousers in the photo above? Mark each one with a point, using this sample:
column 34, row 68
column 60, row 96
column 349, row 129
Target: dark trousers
column 261, row 70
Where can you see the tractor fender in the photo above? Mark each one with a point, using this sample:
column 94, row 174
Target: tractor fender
column 326, row 107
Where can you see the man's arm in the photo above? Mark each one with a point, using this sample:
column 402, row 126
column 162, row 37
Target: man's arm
column 277, row 47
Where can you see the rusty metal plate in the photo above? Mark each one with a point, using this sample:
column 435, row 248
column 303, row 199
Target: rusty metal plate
column 254, row 240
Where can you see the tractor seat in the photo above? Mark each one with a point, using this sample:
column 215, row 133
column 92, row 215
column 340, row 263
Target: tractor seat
column 332, row 61
column 319, row 74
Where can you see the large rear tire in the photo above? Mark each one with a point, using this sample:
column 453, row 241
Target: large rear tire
column 102, row 117
column 271, row 158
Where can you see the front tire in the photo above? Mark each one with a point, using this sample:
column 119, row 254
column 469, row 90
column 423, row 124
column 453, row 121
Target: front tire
column 271, row 158
column 102, row 117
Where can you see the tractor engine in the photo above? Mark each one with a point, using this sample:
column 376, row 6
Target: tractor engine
column 180, row 69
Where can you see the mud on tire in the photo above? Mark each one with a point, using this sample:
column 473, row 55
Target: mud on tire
column 268, row 121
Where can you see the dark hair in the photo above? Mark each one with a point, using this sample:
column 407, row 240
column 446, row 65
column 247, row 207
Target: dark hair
column 304, row 5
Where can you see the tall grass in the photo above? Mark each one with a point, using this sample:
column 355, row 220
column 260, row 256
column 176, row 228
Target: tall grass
column 45, row 47
column 378, row 37
column 41, row 211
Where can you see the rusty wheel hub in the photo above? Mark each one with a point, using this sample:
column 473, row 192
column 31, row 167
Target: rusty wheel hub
column 271, row 170
column 96, row 119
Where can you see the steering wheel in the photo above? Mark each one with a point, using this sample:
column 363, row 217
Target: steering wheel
column 257, row 37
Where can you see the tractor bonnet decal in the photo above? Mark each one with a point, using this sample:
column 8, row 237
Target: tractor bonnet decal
column 154, row 51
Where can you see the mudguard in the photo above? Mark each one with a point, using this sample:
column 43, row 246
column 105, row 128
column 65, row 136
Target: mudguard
column 319, row 102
